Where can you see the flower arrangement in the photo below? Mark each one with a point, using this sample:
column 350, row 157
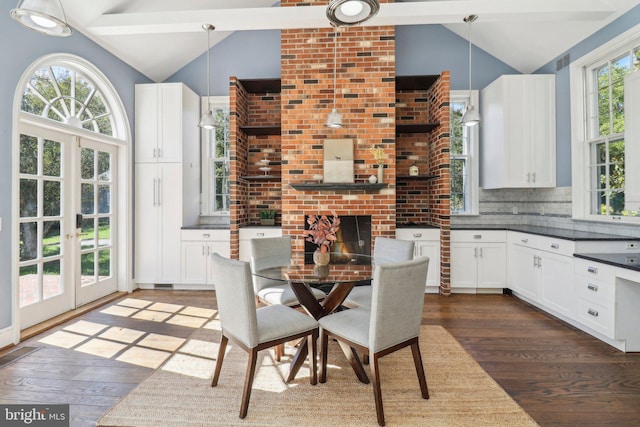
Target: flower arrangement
column 322, row 230
column 378, row 154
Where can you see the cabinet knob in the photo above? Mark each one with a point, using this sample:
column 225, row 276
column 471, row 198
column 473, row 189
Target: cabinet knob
column 477, row 236
column 593, row 312
column 207, row 235
column 593, row 270
column 555, row 246
column 259, row 234
column 592, row 287
column 524, row 240
column 417, row 234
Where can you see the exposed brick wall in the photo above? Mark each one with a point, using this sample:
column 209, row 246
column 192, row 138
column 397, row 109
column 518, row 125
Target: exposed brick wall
column 366, row 96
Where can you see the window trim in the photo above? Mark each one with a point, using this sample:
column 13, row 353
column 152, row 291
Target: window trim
column 206, row 195
column 474, row 151
column 578, row 79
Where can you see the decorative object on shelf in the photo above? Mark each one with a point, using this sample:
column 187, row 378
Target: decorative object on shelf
column 373, row 179
column 265, row 162
column 413, row 170
column 351, row 12
column 207, row 121
column 267, row 217
column 338, row 160
column 318, row 177
column 471, row 117
column 378, row 154
column 45, row 16
column 334, row 119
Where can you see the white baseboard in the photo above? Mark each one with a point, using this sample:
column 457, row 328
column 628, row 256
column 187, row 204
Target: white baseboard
column 6, row 337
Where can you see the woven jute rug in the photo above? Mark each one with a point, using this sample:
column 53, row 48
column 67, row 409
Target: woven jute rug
column 179, row 393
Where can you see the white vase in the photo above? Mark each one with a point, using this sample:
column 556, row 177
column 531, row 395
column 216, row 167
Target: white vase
column 380, row 173
column 373, row 179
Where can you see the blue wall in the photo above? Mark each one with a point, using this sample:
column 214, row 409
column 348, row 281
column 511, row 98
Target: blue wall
column 21, row 47
column 563, row 99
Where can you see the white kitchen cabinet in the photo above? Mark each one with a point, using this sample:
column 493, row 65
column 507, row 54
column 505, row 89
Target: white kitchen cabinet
column 427, row 243
column 632, row 140
column 166, row 193
column 478, row 260
column 248, row 233
column 197, row 248
column 595, row 293
column 541, row 270
column 518, row 132
column 164, row 122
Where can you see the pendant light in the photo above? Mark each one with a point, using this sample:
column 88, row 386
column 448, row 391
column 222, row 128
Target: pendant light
column 471, row 117
column 351, row 12
column 44, row 16
column 334, row 119
column 207, row 120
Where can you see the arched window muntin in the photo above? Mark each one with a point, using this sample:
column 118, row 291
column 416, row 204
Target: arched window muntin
column 59, row 88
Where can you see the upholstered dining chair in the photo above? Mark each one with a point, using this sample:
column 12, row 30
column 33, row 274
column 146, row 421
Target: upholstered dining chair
column 392, row 323
column 385, row 250
column 274, row 253
column 254, row 329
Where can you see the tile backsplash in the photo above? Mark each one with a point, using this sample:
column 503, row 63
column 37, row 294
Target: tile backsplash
column 549, row 207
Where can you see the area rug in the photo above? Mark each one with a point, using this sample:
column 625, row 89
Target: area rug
column 179, row 393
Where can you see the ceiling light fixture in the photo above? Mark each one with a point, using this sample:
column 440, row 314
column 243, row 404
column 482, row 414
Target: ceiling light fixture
column 334, row 119
column 44, row 16
column 207, row 121
column 351, row 12
column 471, row 117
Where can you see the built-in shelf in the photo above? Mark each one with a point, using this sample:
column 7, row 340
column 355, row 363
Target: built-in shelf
column 261, row 85
column 415, row 128
column 416, row 178
column 261, row 178
column 320, row 186
column 261, row 130
column 415, row 82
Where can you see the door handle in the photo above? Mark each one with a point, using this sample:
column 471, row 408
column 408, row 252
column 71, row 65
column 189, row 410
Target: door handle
column 480, row 252
column 155, row 191
column 159, row 191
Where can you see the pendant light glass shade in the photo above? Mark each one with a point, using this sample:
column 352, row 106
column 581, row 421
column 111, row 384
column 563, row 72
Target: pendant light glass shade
column 334, row 119
column 44, row 16
column 471, row 116
column 207, row 121
column 351, row 12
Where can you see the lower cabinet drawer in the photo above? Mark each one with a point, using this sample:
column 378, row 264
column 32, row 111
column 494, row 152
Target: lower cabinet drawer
column 598, row 317
column 595, row 290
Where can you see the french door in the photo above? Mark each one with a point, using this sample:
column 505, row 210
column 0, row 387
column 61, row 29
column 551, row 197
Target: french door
column 66, row 222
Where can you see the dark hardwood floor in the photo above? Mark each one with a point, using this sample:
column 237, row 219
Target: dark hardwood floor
column 558, row 374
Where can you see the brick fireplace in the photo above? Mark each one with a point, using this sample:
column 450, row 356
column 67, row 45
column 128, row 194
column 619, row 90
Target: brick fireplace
column 372, row 107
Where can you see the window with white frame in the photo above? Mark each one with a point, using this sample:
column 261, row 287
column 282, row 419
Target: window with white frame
column 215, row 159
column 598, row 129
column 464, row 158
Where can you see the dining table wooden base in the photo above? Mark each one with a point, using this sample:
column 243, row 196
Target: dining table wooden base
column 318, row 309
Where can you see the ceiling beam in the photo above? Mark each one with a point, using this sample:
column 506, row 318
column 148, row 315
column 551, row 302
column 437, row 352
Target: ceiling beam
column 406, row 13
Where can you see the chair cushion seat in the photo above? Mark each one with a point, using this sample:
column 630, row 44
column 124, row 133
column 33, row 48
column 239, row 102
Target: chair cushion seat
column 277, row 321
column 283, row 294
column 360, row 296
column 352, row 324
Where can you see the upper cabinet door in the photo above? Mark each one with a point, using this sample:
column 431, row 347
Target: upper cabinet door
column 159, row 123
column 518, row 132
column 632, row 141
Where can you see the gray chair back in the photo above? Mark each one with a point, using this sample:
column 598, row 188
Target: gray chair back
column 386, row 250
column 269, row 253
column 397, row 302
column 236, row 300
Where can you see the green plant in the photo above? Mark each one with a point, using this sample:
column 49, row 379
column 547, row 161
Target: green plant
column 267, row 214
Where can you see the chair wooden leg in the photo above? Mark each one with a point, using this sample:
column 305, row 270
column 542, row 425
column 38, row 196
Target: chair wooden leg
column 248, row 382
column 221, row 351
column 377, row 391
column 417, row 359
column 279, row 350
column 324, row 344
column 312, row 342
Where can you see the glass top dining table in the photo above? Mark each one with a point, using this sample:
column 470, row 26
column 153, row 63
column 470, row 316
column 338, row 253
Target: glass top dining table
column 336, row 279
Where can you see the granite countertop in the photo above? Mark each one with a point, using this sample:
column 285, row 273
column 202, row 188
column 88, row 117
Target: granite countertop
column 624, row 260
column 560, row 233
column 206, row 227
column 415, row 225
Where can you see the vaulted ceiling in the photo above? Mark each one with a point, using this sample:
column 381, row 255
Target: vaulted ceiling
column 160, row 37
